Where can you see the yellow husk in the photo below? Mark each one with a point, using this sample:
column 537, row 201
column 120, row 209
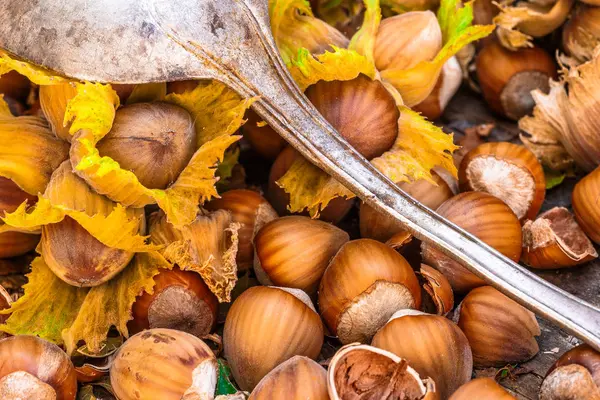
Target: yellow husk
column 208, row 246
column 517, row 25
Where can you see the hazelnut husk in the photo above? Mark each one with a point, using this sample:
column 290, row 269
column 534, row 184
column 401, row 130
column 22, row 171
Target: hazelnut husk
column 73, row 254
column 252, row 211
column 298, row 378
column 481, row 388
column 5, row 302
column 555, row 240
column 376, row 225
column 13, row 243
column 164, row 364
column 446, row 87
column 575, row 375
column 53, row 102
column 585, row 199
column 499, row 330
column 34, row 369
column 364, row 284
column 266, row 326
column 364, row 372
column 263, row 139
column 487, row 218
column 433, row 345
column 15, row 86
column 508, row 171
column 405, row 40
column 361, row 110
column 507, row 77
column 581, row 33
column 335, row 211
column 180, row 300
column 153, row 140
column 294, row 251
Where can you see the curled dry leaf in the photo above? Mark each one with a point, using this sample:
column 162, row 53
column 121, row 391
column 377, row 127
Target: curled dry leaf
column 564, row 127
column 361, row 371
column 518, row 24
column 207, row 246
column 555, row 240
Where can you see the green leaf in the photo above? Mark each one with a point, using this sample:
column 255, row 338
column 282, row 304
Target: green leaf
column 224, row 385
column 225, row 167
column 553, row 178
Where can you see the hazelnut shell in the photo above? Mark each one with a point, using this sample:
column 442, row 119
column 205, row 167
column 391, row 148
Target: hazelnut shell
column 481, row 388
column 585, row 200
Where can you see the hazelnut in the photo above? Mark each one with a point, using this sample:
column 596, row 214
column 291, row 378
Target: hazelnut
column 508, row 171
column 481, row 388
column 153, row 140
column 249, row 209
column 586, row 197
column 361, row 371
column 180, row 87
column 14, row 85
column 499, row 330
column 555, row 240
column 364, row 284
column 433, row 345
column 378, row 226
column 11, row 196
column 507, row 77
column 179, row 300
column 446, row 87
column 73, row 254
column 335, row 211
column 34, row 369
column 294, row 251
column 484, row 216
column 164, row 364
column 263, row 139
column 5, row 302
column 575, row 375
column 266, row 326
column 298, row 378
column 362, row 111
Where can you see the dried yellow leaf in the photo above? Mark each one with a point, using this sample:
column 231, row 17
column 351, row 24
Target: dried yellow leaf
column 208, row 246
column 37, row 75
column 363, row 41
column 110, row 304
column 48, row 306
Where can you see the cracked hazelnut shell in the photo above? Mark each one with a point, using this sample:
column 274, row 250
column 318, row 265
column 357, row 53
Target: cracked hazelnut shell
column 164, row 364
column 484, row 216
column 294, row 251
column 433, row 345
column 499, row 330
column 363, row 285
column 180, row 300
column 359, row 371
column 585, row 200
column 508, row 171
column 507, row 77
column 438, row 297
column 34, row 369
column 555, row 240
column 252, row 211
column 266, row 326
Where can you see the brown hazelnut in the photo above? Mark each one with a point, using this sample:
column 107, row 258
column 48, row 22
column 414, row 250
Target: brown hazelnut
column 263, row 139
column 481, row 388
column 364, row 284
column 14, row 85
column 586, row 196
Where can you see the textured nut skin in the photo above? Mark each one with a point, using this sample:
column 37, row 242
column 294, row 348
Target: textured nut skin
column 199, row 320
column 353, row 271
column 264, row 327
column 153, row 140
column 375, row 225
column 294, row 251
column 519, row 157
column 497, row 67
column 362, row 111
column 583, row 355
column 335, row 211
column 244, row 206
column 42, row 359
column 158, row 364
column 433, row 345
column 569, row 382
column 499, row 330
column 484, row 216
column 298, row 378
column 586, row 197
column 263, row 139
column 482, row 388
